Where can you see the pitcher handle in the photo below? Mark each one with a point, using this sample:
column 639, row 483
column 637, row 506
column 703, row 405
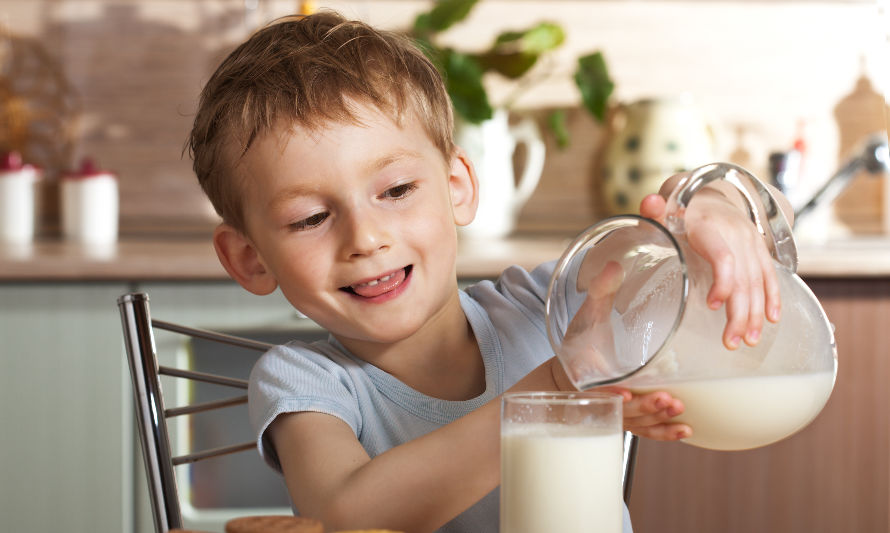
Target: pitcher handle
column 763, row 209
column 527, row 132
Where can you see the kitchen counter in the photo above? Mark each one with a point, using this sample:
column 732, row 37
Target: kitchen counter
column 193, row 259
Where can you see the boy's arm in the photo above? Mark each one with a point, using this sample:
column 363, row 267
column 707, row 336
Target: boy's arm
column 416, row 486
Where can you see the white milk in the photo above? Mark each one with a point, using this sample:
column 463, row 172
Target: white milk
column 560, row 479
column 747, row 412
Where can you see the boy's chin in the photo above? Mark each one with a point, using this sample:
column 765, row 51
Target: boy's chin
column 378, row 334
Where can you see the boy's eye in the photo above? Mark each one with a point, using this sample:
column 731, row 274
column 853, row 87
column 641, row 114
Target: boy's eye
column 399, row 191
column 309, row 222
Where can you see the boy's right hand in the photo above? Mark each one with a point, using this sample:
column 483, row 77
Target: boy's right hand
column 647, row 415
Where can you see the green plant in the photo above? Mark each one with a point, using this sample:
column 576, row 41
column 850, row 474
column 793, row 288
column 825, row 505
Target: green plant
column 512, row 55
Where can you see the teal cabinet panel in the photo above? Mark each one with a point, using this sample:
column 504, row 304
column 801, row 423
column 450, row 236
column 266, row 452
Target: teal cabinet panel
column 66, row 444
column 70, row 459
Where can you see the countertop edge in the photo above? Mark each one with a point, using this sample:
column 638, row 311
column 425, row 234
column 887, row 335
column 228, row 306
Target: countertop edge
column 195, row 260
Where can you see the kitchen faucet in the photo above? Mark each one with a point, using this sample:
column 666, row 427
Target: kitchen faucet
column 872, row 157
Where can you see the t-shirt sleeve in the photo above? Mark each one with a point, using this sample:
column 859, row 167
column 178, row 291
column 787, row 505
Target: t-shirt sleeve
column 298, row 377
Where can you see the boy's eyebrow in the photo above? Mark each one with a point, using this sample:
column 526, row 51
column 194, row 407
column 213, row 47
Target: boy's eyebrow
column 392, row 157
column 289, row 194
column 376, row 165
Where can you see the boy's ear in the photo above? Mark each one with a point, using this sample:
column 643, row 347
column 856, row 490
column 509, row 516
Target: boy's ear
column 241, row 260
column 464, row 187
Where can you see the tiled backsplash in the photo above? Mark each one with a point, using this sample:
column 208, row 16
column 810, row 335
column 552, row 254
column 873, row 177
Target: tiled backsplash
column 121, row 78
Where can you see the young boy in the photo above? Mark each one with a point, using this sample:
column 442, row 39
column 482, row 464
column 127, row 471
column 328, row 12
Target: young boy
column 326, row 147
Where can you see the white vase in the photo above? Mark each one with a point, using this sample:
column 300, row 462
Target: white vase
column 490, row 146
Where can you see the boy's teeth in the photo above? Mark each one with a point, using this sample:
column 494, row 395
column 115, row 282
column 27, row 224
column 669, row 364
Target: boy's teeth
column 380, row 286
column 375, row 282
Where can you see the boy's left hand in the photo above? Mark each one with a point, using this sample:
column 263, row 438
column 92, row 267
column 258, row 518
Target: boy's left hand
column 649, row 415
column 744, row 274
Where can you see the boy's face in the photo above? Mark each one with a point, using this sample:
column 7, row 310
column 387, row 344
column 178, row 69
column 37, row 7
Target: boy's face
column 355, row 224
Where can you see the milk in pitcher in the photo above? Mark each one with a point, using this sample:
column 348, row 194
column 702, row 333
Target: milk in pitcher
column 740, row 413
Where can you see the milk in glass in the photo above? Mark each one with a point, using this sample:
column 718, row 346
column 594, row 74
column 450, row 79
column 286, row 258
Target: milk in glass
column 560, row 478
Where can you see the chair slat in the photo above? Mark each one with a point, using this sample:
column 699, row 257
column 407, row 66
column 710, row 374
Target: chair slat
column 205, row 406
column 212, row 336
column 214, row 452
column 203, row 376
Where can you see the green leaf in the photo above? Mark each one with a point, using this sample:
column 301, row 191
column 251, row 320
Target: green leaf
column 557, row 123
column 422, row 26
column 515, row 52
column 463, row 80
column 543, row 37
column 512, row 65
column 443, row 15
column 592, row 78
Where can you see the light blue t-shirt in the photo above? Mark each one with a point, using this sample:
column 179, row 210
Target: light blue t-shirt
column 507, row 318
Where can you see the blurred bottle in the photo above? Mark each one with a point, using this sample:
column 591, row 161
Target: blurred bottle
column 786, row 167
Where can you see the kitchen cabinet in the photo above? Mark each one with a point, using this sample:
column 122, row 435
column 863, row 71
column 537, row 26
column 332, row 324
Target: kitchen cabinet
column 70, row 457
column 65, row 459
column 834, row 476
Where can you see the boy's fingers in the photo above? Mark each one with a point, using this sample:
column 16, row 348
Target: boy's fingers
column 654, row 402
column 597, row 305
column 604, row 288
column 623, row 392
column 773, row 303
column 724, row 268
column 736, row 319
column 653, row 206
column 653, row 419
column 663, row 432
column 755, row 311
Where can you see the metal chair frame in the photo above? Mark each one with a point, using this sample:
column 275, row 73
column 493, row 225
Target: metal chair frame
column 631, row 443
column 151, row 413
column 138, row 330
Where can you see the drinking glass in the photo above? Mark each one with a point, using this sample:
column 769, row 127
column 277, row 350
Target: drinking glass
column 561, row 462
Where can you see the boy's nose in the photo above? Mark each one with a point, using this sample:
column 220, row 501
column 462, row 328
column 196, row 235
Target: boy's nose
column 366, row 234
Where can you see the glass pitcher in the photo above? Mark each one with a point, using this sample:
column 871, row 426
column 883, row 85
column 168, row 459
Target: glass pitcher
column 627, row 305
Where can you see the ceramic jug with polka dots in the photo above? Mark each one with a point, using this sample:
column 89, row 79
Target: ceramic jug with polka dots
column 650, row 140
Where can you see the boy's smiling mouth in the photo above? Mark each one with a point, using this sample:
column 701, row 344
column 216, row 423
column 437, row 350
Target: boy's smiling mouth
column 382, row 286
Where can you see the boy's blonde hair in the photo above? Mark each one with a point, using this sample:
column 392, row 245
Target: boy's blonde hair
column 306, row 71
